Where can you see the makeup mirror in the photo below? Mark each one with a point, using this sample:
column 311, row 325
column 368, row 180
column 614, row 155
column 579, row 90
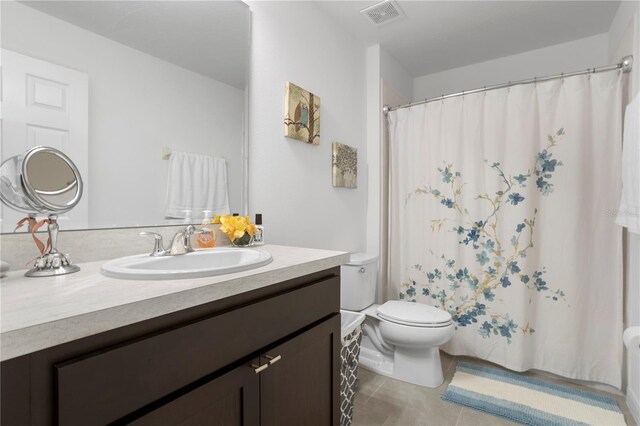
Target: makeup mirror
column 43, row 180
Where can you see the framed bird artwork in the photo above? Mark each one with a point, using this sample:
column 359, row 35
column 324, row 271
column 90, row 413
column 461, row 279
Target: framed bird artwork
column 301, row 115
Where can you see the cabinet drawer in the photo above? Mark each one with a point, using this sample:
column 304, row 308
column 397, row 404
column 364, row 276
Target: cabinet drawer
column 102, row 387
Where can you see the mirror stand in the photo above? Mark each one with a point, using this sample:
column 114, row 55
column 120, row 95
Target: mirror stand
column 42, row 180
column 52, row 262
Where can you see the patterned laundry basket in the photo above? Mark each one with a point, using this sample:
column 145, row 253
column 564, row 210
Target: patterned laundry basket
column 349, row 353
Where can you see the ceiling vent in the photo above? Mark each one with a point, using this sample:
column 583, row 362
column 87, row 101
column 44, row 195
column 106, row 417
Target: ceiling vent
column 383, row 12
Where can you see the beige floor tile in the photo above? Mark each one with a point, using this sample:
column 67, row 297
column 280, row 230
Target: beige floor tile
column 364, row 415
column 368, row 383
column 412, row 416
column 405, row 404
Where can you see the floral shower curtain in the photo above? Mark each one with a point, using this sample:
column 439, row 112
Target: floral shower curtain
column 502, row 209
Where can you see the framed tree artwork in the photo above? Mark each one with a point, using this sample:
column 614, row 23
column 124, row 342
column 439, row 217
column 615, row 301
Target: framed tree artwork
column 345, row 166
column 302, row 115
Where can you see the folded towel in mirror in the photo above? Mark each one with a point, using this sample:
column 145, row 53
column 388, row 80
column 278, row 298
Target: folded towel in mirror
column 195, row 183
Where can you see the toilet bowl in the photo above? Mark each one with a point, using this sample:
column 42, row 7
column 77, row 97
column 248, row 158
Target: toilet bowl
column 401, row 339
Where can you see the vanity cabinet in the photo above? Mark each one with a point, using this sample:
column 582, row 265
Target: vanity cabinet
column 264, row 357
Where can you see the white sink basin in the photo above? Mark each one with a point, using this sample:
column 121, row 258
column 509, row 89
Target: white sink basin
column 201, row 263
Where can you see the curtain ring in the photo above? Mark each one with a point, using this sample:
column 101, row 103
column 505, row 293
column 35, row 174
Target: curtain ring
column 509, row 88
column 484, row 90
column 562, row 78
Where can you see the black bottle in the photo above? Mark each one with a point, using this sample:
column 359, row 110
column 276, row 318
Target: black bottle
column 258, row 236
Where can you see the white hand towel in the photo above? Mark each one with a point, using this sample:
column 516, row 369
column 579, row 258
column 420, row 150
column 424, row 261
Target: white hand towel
column 629, row 212
column 196, row 183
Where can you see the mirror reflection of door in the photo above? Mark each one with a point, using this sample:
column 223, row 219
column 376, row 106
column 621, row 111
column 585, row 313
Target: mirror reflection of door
column 45, row 104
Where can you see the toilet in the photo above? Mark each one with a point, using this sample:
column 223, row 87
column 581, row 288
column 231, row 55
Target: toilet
column 401, row 339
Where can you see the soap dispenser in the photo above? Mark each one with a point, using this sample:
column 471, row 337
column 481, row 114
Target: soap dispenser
column 207, row 236
column 187, row 220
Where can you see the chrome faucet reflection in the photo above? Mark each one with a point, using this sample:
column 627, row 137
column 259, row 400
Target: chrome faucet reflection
column 180, row 244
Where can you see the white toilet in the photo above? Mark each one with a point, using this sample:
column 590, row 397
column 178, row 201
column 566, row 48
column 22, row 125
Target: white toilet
column 401, row 339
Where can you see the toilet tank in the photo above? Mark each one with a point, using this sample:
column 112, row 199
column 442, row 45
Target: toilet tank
column 358, row 280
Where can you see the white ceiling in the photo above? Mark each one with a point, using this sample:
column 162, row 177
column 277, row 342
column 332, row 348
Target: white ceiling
column 207, row 37
column 439, row 35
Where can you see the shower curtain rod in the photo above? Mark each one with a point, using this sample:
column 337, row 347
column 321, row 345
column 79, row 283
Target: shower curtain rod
column 625, row 65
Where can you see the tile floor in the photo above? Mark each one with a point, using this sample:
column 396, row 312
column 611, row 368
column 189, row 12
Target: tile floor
column 384, row 401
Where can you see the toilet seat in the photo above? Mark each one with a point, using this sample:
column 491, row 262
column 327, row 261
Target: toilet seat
column 414, row 314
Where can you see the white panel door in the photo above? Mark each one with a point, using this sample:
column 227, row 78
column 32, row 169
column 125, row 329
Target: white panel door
column 45, row 104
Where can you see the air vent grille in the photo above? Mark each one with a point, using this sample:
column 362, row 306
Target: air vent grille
column 383, row 12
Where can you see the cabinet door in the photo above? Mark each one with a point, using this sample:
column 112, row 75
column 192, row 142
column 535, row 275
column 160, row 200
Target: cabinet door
column 302, row 386
column 229, row 400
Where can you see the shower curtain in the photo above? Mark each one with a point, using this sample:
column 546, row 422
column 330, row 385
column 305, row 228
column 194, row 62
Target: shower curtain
column 502, row 210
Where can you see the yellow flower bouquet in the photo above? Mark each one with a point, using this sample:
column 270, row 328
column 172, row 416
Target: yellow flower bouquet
column 239, row 229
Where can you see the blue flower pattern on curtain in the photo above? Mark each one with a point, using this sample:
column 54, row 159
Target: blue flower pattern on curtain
column 497, row 268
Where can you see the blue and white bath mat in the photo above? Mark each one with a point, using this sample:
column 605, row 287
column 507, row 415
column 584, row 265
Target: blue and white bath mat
column 529, row 401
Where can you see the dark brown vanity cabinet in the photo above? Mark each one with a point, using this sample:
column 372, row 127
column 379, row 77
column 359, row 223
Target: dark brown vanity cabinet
column 266, row 357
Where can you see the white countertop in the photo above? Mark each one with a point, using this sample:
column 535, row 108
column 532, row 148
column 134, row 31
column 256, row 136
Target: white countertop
column 38, row 313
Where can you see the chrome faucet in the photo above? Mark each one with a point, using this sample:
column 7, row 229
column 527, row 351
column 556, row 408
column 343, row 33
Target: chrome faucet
column 180, row 244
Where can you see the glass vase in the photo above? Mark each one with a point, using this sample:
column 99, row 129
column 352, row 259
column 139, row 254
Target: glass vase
column 245, row 241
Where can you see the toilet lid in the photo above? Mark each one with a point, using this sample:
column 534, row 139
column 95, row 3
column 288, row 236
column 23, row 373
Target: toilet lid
column 415, row 314
column 362, row 259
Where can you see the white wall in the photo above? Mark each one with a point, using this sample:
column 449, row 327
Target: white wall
column 289, row 180
column 624, row 39
column 374, row 133
column 380, row 66
column 395, row 74
column 575, row 55
column 137, row 104
column 382, row 70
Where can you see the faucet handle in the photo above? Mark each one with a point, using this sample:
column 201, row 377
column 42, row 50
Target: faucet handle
column 187, row 233
column 158, row 247
column 191, row 230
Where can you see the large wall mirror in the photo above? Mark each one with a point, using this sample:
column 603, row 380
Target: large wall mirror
column 147, row 98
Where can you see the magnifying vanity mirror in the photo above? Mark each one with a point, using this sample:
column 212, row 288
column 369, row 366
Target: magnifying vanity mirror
column 42, row 181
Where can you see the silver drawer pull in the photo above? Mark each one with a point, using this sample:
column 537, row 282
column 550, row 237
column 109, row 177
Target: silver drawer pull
column 259, row 368
column 362, row 270
column 272, row 359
